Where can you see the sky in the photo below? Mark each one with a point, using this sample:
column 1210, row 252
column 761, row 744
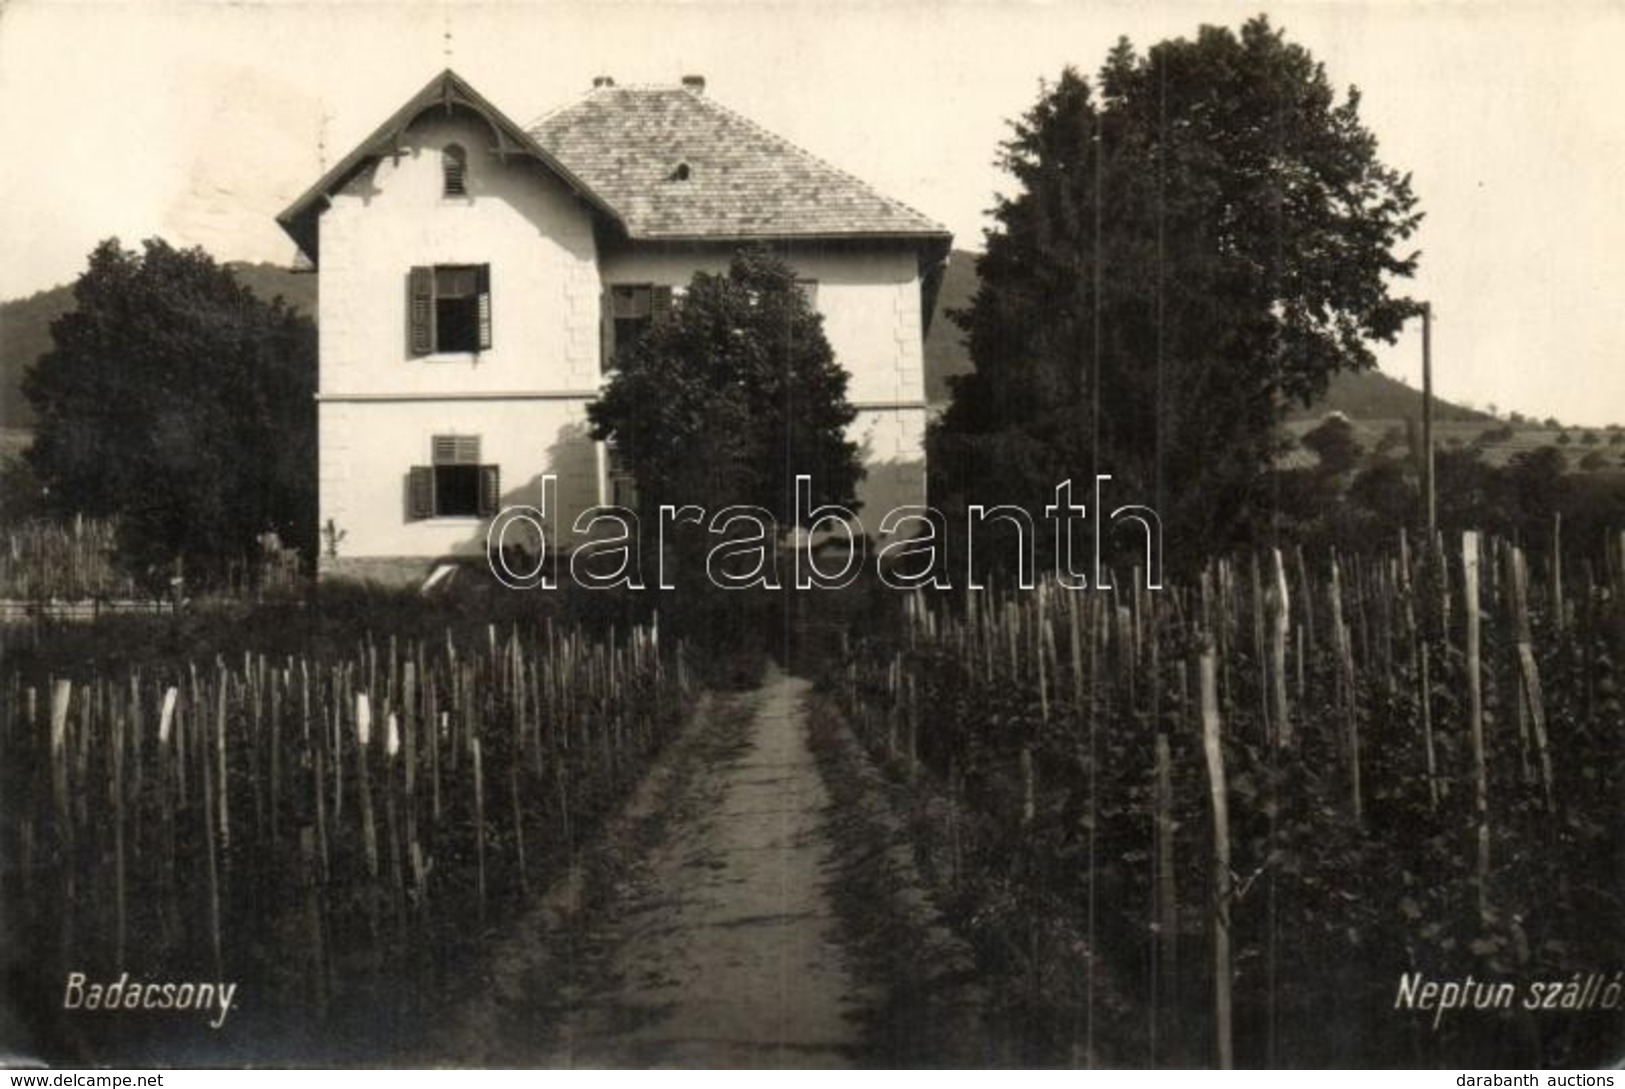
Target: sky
column 200, row 121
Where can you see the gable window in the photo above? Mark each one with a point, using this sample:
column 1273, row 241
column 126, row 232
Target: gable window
column 629, row 311
column 454, row 171
column 455, row 484
column 449, row 309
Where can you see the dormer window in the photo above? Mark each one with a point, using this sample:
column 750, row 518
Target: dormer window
column 454, row 171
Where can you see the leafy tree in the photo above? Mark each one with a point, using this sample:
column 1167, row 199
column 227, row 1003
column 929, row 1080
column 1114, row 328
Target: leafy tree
column 732, row 395
column 1385, row 490
column 178, row 401
column 1468, row 490
column 1202, row 234
column 1335, row 444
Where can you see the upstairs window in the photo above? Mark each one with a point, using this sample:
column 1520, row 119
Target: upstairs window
column 456, row 484
column 629, row 310
column 453, row 171
column 449, row 309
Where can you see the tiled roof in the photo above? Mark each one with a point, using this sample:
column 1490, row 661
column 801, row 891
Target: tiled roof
column 628, row 145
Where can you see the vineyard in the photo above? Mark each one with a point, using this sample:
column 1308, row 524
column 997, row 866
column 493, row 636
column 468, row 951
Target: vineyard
column 71, row 561
column 76, row 563
column 1220, row 824
column 320, row 829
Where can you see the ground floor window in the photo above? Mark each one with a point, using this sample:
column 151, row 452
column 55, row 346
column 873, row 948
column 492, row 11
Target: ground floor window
column 456, row 483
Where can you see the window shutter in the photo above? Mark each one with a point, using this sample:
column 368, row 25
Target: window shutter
column 606, row 331
column 483, row 286
column 420, row 310
column 659, row 301
column 490, row 490
column 420, row 492
column 455, row 450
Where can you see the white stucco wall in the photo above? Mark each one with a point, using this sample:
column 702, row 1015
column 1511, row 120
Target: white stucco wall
column 893, row 444
column 535, row 235
column 870, row 300
column 368, row 447
column 869, row 297
column 526, row 396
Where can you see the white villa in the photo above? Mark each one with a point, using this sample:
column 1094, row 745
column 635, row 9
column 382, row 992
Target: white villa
column 476, row 276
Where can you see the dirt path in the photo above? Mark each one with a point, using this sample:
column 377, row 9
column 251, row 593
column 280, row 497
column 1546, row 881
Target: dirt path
column 721, row 946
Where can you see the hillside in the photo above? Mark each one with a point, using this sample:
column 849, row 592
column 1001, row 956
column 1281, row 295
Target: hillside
column 1375, row 396
column 1371, row 396
column 25, row 327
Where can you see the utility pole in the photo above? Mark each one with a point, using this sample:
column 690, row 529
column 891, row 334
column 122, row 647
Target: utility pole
column 1427, row 416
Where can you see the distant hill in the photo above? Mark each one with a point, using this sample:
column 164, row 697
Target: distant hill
column 1373, row 395
column 25, row 327
column 25, row 335
column 1369, row 396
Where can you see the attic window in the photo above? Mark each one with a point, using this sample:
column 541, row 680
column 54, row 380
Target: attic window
column 681, row 173
column 454, row 171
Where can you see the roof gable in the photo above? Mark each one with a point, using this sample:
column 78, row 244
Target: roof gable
column 675, row 164
column 446, row 91
column 663, row 163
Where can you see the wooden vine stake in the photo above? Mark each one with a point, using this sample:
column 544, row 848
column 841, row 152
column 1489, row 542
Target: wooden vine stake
column 1280, row 628
column 61, row 697
column 1345, row 693
column 210, row 840
column 1166, row 903
column 1222, row 1036
column 1529, row 673
column 479, row 815
column 1475, row 716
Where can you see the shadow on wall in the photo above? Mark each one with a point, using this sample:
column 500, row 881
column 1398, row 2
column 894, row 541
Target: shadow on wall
column 572, row 462
column 888, row 486
column 571, row 458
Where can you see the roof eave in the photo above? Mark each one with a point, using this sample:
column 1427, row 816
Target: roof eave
column 933, row 238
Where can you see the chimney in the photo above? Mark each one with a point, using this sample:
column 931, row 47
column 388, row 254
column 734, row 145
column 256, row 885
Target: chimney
column 602, row 81
column 695, row 84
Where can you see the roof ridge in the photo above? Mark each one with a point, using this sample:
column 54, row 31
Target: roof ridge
column 547, row 115
column 592, row 92
column 814, row 156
